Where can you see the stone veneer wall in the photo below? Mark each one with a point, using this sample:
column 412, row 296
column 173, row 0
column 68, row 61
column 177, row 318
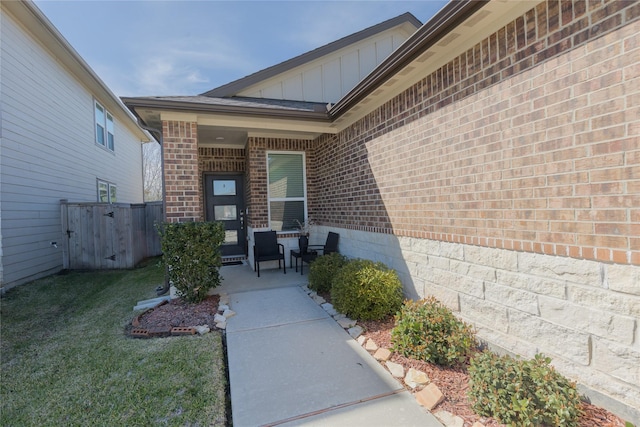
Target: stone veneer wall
column 507, row 183
column 582, row 313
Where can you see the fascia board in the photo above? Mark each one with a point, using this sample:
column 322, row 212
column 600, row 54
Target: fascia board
column 372, row 93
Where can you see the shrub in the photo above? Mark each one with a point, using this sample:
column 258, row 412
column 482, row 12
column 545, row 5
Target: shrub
column 366, row 290
column 522, row 392
column 323, row 269
column 191, row 253
column 427, row 330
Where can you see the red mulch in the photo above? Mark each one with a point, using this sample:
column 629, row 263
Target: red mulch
column 453, row 382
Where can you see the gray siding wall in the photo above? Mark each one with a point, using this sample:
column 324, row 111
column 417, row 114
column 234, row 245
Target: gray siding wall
column 47, row 153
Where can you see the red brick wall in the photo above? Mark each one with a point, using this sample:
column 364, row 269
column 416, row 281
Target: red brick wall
column 182, row 180
column 528, row 141
column 257, row 174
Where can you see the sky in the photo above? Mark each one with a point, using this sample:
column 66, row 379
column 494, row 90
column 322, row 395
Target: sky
column 153, row 48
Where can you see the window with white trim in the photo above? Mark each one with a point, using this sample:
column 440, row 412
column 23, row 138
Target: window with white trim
column 104, row 127
column 287, row 191
column 107, row 192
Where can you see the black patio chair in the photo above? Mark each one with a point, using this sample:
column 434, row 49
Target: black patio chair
column 303, row 254
column 330, row 246
column 267, row 248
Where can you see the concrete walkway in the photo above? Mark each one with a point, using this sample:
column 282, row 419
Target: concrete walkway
column 291, row 364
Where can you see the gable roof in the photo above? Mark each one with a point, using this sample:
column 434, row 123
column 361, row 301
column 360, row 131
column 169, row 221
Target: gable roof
column 28, row 14
column 232, row 88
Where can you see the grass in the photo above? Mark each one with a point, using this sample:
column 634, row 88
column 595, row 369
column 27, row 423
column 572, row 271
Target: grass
column 66, row 361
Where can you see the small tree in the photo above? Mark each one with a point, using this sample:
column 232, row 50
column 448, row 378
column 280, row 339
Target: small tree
column 191, row 252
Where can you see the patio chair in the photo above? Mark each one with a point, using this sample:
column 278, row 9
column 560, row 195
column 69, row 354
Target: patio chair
column 330, row 246
column 267, row 248
column 303, row 254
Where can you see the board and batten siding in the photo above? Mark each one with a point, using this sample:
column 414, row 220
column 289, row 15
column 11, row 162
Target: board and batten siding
column 329, row 78
column 48, row 153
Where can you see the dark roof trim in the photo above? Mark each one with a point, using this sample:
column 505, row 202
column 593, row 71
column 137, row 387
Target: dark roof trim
column 191, row 107
column 450, row 16
column 231, row 89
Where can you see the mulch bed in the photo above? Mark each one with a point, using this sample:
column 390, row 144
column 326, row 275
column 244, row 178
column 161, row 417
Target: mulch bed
column 175, row 317
column 454, row 382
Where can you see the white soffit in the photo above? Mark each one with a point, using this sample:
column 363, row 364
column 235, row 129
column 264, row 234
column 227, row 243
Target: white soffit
column 493, row 16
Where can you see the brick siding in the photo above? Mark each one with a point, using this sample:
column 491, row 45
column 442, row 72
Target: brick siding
column 182, row 181
column 528, row 141
column 257, row 174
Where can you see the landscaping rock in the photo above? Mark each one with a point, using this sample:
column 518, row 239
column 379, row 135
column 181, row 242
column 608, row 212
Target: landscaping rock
column 430, row 396
column 355, row 332
column 361, row 339
column 222, row 308
column 396, row 369
column 347, row 323
column 319, row 299
column 328, row 307
column 339, row 316
column 448, row 419
column 221, row 325
column 415, row 378
column 371, row 345
column 203, row 329
column 477, row 424
column 219, row 318
column 382, row 354
column 228, row 313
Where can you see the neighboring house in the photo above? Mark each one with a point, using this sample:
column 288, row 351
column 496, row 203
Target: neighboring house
column 65, row 135
column 492, row 159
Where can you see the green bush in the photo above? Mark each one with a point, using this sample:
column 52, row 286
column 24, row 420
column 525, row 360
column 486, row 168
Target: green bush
column 323, row 269
column 427, row 330
column 522, row 392
column 366, row 290
column 191, row 253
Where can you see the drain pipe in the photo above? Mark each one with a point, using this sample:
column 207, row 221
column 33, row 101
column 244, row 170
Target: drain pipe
column 160, row 290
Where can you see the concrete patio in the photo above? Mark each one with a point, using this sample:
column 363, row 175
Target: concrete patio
column 290, row 363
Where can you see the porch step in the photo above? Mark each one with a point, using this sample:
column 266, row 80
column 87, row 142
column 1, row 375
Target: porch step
column 234, row 259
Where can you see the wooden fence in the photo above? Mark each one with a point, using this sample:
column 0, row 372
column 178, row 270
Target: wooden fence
column 109, row 236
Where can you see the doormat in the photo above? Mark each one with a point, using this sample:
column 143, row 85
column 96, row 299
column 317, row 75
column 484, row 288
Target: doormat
column 232, row 262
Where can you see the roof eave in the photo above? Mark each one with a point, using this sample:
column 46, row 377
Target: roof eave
column 162, row 104
column 40, row 26
column 449, row 17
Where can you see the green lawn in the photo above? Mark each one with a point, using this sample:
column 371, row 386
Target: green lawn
column 66, row 361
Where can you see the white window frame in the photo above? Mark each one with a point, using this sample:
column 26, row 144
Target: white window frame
column 288, row 199
column 108, row 127
column 110, row 186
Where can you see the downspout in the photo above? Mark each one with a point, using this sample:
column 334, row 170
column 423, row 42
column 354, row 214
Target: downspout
column 160, row 290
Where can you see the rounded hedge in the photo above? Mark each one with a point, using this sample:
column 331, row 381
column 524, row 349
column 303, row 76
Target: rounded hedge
column 522, row 392
column 427, row 330
column 366, row 290
column 323, row 269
